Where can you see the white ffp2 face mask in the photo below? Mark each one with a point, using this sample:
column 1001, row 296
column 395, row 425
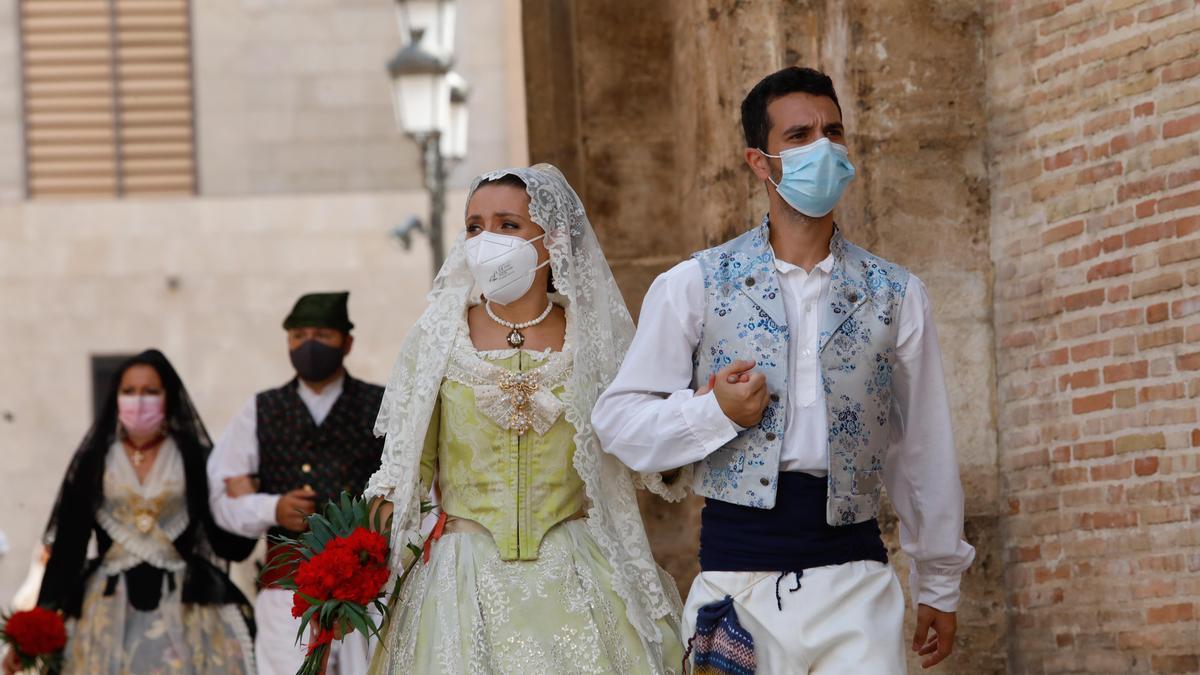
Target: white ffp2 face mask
column 503, row 265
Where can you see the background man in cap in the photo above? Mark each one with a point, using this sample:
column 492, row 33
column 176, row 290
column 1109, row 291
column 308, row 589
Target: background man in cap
column 290, row 450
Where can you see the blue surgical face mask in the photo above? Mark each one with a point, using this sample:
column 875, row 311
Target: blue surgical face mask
column 814, row 176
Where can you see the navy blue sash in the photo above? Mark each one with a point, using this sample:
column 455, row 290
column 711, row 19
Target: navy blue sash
column 791, row 537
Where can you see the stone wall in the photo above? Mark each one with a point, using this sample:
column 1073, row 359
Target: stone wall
column 1094, row 139
column 639, row 105
column 293, row 96
column 208, row 281
column 12, row 158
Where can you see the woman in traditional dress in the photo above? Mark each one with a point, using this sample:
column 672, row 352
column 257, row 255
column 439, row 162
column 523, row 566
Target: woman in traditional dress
column 539, row 562
column 154, row 600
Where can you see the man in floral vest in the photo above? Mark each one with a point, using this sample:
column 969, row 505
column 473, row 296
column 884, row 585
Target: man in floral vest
column 788, row 376
column 289, row 451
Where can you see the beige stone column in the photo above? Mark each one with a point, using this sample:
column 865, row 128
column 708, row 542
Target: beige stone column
column 642, row 108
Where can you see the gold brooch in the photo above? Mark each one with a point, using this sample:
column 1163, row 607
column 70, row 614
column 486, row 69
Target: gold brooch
column 145, row 515
column 519, row 389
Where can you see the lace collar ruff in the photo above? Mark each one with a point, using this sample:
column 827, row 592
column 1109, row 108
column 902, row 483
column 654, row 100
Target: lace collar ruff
column 517, row 401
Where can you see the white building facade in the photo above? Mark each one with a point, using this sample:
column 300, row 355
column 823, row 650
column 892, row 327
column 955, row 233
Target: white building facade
column 263, row 163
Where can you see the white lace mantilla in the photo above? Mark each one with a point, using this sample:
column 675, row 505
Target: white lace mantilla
column 599, row 329
column 514, row 401
column 143, row 519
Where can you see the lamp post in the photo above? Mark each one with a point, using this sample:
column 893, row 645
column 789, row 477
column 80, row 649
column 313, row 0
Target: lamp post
column 454, row 141
column 429, row 102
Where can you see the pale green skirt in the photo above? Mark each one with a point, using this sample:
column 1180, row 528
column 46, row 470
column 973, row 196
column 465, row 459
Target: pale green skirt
column 467, row 611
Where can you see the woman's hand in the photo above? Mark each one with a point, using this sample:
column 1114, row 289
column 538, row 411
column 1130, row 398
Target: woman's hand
column 11, row 663
column 381, row 512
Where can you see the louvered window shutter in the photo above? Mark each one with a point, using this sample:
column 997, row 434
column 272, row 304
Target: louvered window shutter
column 108, row 97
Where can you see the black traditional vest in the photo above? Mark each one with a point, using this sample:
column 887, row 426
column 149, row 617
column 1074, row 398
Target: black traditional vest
column 341, row 454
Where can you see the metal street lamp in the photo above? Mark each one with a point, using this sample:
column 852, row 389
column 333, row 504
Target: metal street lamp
column 429, row 102
column 420, row 89
column 435, row 18
column 454, row 141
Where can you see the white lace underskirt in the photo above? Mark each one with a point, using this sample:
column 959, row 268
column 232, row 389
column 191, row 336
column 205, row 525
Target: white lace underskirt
column 467, row 611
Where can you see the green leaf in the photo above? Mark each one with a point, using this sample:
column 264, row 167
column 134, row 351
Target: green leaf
column 360, row 621
column 305, row 619
column 322, row 530
column 310, row 542
column 329, row 611
column 339, row 521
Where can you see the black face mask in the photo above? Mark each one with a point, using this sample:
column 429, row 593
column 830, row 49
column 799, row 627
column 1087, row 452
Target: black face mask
column 315, row 361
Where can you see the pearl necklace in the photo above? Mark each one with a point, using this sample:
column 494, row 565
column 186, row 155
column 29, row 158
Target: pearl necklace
column 515, row 338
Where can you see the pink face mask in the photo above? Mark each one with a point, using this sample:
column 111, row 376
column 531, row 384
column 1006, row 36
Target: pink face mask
column 141, row 415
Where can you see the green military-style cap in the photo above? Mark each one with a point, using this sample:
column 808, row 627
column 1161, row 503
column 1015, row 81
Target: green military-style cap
column 320, row 310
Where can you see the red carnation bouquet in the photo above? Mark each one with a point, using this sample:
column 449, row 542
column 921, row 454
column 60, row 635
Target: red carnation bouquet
column 337, row 571
column 37, row 636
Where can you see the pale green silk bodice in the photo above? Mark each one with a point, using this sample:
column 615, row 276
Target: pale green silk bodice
column 516, row 485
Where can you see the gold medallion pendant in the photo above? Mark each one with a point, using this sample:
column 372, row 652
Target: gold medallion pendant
column 515, row 338
column 143, row 521
column 145, row 514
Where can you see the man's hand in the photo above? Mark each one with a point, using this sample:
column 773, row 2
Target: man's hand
column 944, row 624
column 12, row 663
column 293, row 507
column 741, row 392
column 240, row 485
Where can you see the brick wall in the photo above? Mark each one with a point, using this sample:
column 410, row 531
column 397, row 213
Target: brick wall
column 1094, row 140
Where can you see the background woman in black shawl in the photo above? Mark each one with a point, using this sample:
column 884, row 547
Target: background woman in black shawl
column 154, row 600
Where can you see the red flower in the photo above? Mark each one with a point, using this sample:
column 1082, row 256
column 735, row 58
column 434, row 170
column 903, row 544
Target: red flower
column 352, row 568
column 36, row 632
column 370, row 547
column 323, row 637
column 299, row 605
column 318, row 576
column 363, row 587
